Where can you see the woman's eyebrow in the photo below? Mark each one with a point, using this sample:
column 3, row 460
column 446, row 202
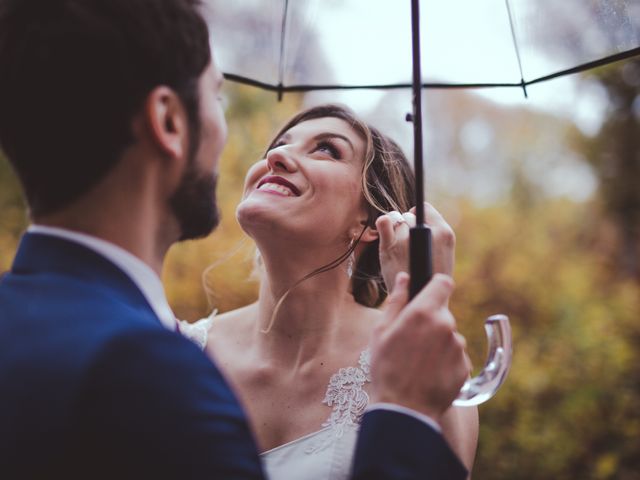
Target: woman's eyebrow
column 322, row 136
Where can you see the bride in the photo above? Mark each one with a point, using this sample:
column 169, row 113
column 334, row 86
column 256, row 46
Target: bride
column 315, row 207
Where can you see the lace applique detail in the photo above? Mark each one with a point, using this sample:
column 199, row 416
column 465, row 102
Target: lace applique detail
column 197, row 331
column 348, row 399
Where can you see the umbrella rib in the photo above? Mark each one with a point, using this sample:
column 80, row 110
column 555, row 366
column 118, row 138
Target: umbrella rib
column 433, row 85
column 382, row 86
column 283, row 28
column 634, row 52
column 515, row 46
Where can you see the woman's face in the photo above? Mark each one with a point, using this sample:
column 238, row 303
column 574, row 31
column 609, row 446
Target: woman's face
column 308, row 186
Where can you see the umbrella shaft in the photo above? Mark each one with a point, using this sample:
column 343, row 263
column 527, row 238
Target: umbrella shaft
column 417, row 111
column 420, row 268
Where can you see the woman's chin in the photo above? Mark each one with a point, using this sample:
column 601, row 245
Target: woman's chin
column 253, row 215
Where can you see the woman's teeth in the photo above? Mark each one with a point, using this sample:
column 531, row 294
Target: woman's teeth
column 276, row 187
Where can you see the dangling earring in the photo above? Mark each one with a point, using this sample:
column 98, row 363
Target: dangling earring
column 352, row 260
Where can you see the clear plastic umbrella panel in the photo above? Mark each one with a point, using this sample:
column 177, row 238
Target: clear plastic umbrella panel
column 296, row 46
column 302, row 45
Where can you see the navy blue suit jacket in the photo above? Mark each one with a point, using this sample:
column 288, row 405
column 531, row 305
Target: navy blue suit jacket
column 93, row 386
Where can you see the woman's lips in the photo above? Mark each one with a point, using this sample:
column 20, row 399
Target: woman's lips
column 278, row 185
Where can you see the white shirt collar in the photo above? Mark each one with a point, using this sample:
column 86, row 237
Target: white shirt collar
column 140, row 273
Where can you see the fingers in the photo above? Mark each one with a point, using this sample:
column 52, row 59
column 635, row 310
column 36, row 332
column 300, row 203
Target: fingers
column 428, row 309
column 410, row 218
column 395, row 216
column 393, row 227
column 420, row 336
column 431, row 303
column 393, row 232
column 443, row 240
column 398, row 298
column 461, row 340
column 467, row 362
column 431, row 216
column 435, row 294
column 384, row 225
column 442, row 231
column 396, row 219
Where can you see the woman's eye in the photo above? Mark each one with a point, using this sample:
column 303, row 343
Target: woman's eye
column 329, row 148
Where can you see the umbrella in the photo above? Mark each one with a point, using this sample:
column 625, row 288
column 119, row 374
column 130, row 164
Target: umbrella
column 274, row 44
column 378, row 45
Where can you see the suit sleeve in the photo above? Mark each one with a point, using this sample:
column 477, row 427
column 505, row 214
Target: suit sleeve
column 156, row 407
column 393, row 445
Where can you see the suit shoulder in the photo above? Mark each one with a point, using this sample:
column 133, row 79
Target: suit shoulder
column 137, row 352
column 161, row 399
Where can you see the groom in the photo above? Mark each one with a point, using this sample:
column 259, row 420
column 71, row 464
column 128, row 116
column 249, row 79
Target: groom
column 110, row 115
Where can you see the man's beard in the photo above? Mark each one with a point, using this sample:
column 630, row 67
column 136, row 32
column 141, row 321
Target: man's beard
column 194, row 204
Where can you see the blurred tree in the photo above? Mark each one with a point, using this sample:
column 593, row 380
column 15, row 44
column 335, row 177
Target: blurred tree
column 13, row 218
column 615, row 154
column 569, row 407
column 603, row 28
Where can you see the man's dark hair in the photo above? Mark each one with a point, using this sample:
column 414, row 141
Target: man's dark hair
column 72, row 75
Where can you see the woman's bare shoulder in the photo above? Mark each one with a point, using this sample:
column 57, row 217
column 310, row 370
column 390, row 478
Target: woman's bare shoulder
column 234, row 321
column 232, row 326
column 228, row 335
column 238, row 314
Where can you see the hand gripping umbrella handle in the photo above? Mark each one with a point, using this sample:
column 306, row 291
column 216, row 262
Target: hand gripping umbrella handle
column 482, row 387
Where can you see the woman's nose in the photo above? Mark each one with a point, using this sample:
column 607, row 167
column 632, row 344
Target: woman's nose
column 280, row 158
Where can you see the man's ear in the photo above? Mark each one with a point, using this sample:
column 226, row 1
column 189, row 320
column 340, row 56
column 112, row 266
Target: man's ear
column 166, row 119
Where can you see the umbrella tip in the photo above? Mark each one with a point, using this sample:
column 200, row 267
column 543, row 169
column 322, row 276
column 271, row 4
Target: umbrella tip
column 280, row 91
column 523, row 84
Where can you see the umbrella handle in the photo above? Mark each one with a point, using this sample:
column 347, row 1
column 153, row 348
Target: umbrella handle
column 482, row 387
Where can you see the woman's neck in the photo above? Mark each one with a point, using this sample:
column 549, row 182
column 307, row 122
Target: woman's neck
column 311, row 319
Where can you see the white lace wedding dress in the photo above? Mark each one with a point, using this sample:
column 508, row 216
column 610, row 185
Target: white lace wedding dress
column 327, row 453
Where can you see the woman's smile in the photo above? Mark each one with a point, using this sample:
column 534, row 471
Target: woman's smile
column 278, row 185
column 318, row 161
